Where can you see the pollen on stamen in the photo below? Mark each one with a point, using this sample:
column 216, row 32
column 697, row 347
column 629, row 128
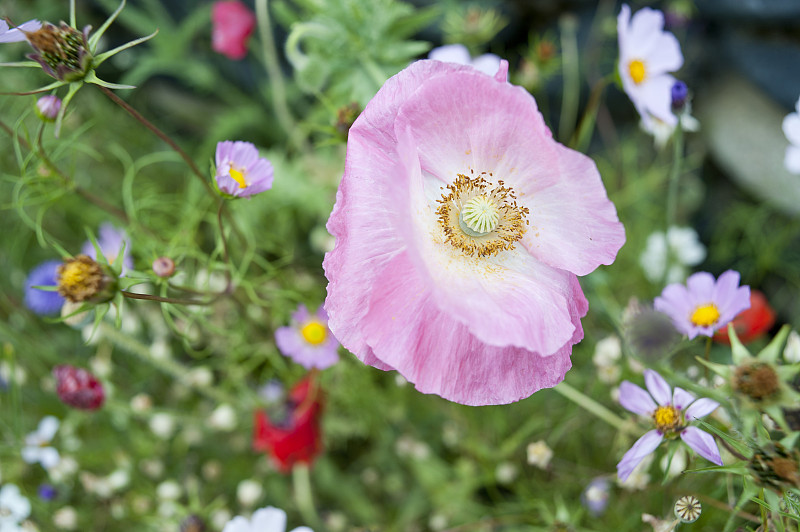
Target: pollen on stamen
column 479, row 220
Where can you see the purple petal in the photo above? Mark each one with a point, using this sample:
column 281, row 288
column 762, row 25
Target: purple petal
column 701, row 408
column 681, row 398
column 635, row 399
column 702, row 443
column 657, row 387
column 643, row 446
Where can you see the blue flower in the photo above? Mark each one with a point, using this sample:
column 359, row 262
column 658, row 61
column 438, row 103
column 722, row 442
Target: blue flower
column 40, row 301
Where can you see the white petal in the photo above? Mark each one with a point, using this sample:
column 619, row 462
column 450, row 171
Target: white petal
column 451, row 53
column 791, row 128
column 269, row 519
column 48, row 427
column 49, row 457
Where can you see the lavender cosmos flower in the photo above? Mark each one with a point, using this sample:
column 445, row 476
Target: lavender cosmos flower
column 17, row 34
column 791, row 128
column 457, row 53
column 308, row 341
column 704, row 304
column 671, row 412
column 110, row 240
column 461, row 227
column 43, row 302
column 646, row 54
column 240, row 171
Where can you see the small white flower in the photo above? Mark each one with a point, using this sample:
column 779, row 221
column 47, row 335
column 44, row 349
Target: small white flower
column 539, row 454
column 66, row 468
column 681, row 246
column 791, row 128
column 791, row 353
column 267, row 519
column 506, row 472
column 66, row 518
column 168, row 490
column 37, row 448
column 14, row 507
column 609, row 374
column 141, row 403
column 223, row 418
column 607, row 351
column 662, row 131
column 200, row 377
column 458, row 53
column 162, row 425
column 248, row 492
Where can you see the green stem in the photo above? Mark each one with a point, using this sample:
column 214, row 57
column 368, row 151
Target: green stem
column 580, row 140
column 707, row 355
column 594, row 407
column 163, row 136
column 277, row 83
column 571, row 73
column 675, row 176
column 672, row 191
column 176, row 301
column 301, row 481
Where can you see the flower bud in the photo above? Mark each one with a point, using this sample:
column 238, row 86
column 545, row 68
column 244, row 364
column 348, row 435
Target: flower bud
column 680, row 94
column 78, row 388
column 47, row 107
column 163, row 267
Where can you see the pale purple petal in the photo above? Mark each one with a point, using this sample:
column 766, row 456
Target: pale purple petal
column 290, row 343
column 656, row 97
column 681, row 398
column 643, row 446
column 664, row 56
column 658, row 387
column 702, row 443
column 635, row 399
column 701, row 287
column 268, row 519
column 451, row 53
column 701, row 408
column 302, row 529
column 16, row 34
column 256, row 171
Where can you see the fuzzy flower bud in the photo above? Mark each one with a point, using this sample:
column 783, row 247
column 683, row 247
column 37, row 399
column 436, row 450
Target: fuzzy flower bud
column 679, row 93
column 47, row 107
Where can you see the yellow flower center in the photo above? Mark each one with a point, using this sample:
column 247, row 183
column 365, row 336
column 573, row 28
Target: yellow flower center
column 705, row 315
column 667, row 418
column 74, row 274
column 637, row 71
column 238, row 176
column 479, row 220
column 80, row 279
column 314, row 332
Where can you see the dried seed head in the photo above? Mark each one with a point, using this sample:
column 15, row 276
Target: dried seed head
column 758, row 381
column 688, row 509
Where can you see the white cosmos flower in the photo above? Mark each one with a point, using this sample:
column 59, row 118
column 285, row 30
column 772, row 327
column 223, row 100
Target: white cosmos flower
column 37, row 444
column 791, row 128
column 267, row 519
column 647, row 54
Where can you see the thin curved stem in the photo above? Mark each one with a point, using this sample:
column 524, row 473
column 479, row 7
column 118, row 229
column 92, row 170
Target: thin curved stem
column 159, row 299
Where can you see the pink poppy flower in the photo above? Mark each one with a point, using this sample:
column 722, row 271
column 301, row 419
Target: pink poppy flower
column 461, row 227
column 647, row 54
column 671, row 412
column 232, row 24
column 705, row 304
column 240, row 171
column 308, row 341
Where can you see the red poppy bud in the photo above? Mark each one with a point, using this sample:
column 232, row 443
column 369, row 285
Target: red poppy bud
column 297, row 438
column 751, row 323
column 78, row 388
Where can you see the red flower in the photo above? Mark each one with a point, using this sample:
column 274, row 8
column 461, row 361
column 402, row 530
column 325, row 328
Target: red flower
column 297, row 437
column 232, row 24
column 78, row 388
column 751, row 323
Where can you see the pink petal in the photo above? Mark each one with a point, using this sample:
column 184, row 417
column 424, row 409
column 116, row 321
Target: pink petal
column 658, row 387
column 701, row 408
column 702, row 443
column 635, row 399
column 643, row 446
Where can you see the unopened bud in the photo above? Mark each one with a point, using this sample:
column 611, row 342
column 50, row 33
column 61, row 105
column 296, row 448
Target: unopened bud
column 47, row 107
